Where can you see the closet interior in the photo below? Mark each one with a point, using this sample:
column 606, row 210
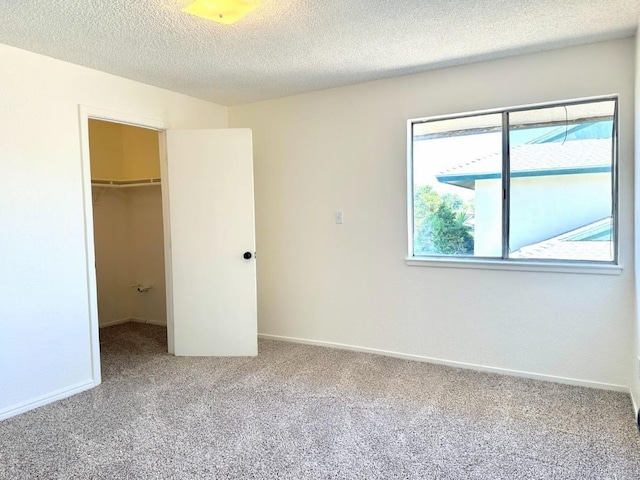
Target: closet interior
column 128, row 223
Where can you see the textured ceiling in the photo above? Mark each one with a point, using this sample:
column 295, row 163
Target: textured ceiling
column 293, row 46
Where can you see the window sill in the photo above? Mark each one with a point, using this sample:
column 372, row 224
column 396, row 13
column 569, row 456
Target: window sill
column 519, row 266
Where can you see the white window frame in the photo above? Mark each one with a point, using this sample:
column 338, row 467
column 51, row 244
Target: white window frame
column 613, row 267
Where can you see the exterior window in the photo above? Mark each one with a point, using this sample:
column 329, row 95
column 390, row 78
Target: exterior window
column 525, row 183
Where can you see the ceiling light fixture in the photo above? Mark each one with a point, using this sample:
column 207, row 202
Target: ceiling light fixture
column 222, row 11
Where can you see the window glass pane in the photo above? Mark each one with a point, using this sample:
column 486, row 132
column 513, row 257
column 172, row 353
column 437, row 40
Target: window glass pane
column 457, row 187
column 561, row 168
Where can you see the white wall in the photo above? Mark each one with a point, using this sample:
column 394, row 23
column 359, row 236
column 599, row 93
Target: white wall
column 146, row 246
column 129, row 247
column 544, row 207
column 541, row 208
column 112, row 254
column 345, row 149
column 487, row 204
column 44, row 324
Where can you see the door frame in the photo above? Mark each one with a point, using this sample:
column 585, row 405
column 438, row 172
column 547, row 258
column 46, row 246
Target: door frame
column 85, row 113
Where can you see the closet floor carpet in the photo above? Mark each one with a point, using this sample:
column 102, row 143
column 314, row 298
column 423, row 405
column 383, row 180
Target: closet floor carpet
column 304, row 412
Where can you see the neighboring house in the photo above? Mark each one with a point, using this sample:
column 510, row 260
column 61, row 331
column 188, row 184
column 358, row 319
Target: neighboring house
column 592, row 241
column 559, row 183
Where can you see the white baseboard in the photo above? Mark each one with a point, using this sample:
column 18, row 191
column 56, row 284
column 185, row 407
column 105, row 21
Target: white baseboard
column 133, row 319
column 148, row 321
column 452, row 363
column 45, row 399
column 117, row 321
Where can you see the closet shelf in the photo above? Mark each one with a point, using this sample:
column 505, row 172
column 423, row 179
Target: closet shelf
column 142, row 182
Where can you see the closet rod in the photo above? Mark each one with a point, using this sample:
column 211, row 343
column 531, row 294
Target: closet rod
column 143, row 182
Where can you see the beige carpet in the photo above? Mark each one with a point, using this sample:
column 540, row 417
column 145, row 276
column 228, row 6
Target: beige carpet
column 302, row 412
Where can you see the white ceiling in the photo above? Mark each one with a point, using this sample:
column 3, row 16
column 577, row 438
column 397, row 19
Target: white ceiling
column 292, row 46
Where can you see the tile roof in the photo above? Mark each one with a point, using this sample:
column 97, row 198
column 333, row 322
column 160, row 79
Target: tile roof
column 567, row 247
column 575, row 156
column 558, row 250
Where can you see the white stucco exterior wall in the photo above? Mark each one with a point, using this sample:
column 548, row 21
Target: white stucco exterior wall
column 541, row 208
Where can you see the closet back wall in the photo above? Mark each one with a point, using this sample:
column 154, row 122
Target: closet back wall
column 128, row 230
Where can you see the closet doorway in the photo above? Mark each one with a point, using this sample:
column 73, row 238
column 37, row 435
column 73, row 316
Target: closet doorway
column 128, row 227
column 206, row 215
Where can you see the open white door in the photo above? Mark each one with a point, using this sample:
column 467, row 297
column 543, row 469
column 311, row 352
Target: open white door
column 211, row 221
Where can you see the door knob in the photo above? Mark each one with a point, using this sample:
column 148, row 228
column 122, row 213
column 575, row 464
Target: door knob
column 247, row 255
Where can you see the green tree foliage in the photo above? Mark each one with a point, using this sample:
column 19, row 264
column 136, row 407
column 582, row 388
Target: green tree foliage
column 440, row 223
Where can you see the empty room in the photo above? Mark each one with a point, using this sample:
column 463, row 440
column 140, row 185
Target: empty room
column 293, row 239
